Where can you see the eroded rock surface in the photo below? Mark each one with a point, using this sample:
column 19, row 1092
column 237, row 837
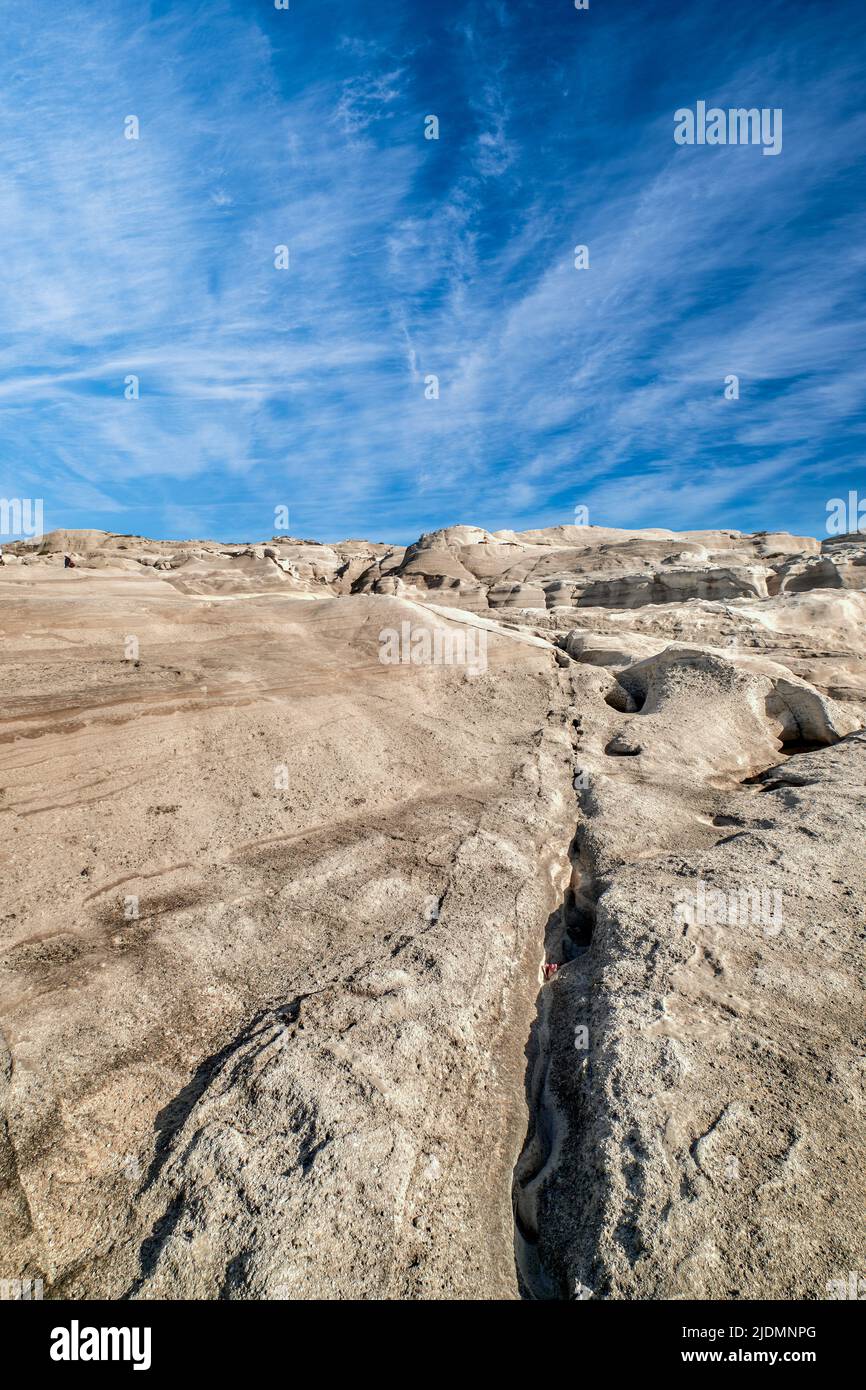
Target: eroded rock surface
column 274, row 1017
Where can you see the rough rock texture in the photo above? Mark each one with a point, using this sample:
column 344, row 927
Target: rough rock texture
column 272, row 1013
column 703, row 1138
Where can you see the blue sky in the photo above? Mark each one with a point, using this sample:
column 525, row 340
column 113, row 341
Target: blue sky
column 410, row 257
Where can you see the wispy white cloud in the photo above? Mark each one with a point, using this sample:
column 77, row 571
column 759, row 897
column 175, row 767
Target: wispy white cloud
column 365, row 98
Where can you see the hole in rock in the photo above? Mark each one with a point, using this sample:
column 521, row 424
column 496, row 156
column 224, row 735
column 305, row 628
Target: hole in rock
column 622, row 747
column 800, row 745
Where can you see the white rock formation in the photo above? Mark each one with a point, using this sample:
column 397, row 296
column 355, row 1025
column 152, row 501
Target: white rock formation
column 278, row 1012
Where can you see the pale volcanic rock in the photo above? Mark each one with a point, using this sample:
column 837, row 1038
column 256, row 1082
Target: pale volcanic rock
column 273, row 1018
column 720, row 1096
column 296, row 822
column 673, row 585
column 840, row 565
column 584, row 567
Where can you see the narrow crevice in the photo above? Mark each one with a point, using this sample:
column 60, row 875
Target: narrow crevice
column 567, row 941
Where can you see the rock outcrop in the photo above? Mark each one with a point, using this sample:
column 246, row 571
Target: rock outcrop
column 294, row 837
